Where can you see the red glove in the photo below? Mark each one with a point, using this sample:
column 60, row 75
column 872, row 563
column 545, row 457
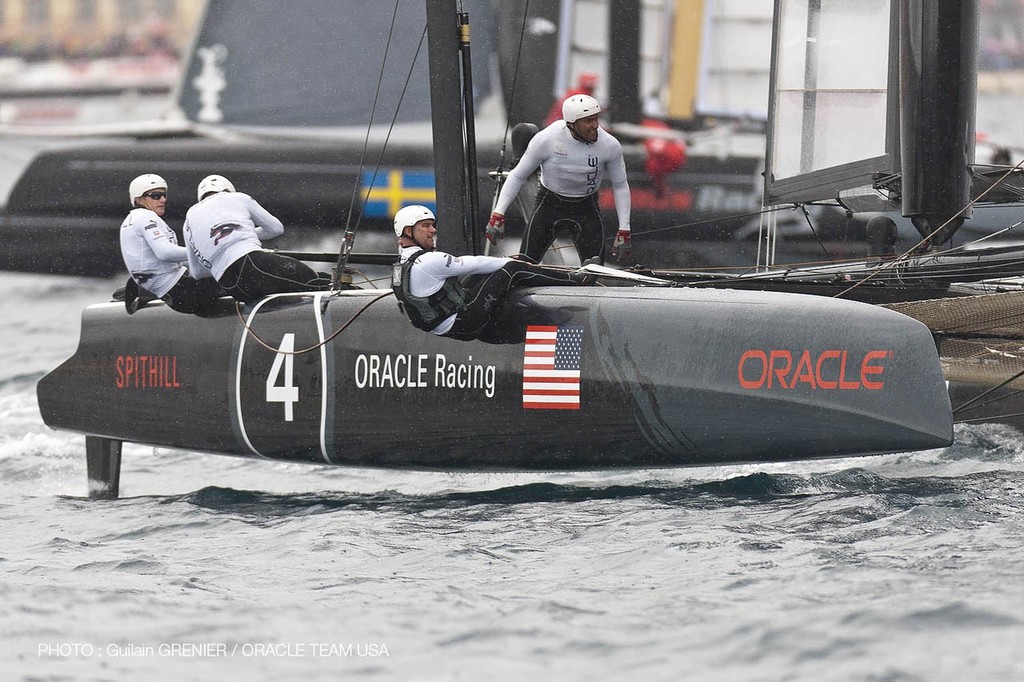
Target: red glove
column 620, row 247
column 496, row 228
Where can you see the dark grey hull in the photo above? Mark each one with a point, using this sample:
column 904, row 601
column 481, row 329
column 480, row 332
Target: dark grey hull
column 667, row 377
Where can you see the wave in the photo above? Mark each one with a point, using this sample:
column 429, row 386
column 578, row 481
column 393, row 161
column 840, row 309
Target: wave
column 854, row 484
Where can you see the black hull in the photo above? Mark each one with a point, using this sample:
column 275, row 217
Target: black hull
column 667, row 377
column 308, row 184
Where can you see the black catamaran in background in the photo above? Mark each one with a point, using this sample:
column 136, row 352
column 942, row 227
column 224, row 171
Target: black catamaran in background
column 641, row 370
column 279, row 102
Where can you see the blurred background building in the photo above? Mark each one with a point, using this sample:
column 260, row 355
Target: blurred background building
column 37, row 30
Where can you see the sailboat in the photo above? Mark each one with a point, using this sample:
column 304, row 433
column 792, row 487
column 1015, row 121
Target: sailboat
column 634, row 372
column 873, row 106
column 301, row 144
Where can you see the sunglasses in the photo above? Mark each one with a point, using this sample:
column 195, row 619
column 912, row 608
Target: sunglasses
column 155, row 195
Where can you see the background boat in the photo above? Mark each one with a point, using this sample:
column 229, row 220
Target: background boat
column 298, row 143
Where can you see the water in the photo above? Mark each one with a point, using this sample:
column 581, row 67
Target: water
column 897, row 567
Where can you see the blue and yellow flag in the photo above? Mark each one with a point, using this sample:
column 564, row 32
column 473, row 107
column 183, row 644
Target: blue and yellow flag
column 394, row 188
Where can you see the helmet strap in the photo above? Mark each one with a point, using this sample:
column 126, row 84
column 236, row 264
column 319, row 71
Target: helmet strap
column 406, row 236
column 572, row 131
column 417, row 241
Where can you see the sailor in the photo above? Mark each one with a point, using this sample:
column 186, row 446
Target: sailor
column 224, row 232
column 428, row 283
column 573, row 155
column 153, row 256
column 586, row 84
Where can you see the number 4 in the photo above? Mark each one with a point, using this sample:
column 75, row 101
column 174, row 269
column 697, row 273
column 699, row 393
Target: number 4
column 288, row 392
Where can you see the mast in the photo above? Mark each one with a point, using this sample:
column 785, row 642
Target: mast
column 469, row 119
column 624, row 60
column 447, row 125
column 938, row 77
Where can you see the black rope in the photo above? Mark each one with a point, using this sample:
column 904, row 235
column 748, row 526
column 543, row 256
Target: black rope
column 349, row 238
column 978, row 420
column 807, row 217
column 515, row 80
column 902, row 258
column 981, row 395
column 328, row 339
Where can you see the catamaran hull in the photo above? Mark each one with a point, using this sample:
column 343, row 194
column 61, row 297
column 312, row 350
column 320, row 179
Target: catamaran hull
column 627, row 377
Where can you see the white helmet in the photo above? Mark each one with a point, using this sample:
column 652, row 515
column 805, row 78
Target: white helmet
column 212, row 184
column 143, row 184
column 409, row 216
column 579, row 106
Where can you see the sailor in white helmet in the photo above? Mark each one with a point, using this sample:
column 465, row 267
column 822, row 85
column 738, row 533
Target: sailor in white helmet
column 573, row 156
column 223, row 232
column 153, row 256
column 429, row 288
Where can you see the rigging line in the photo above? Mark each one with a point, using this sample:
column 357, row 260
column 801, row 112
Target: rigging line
column 515, row 80
column 977, row 420
column 1006, row 320
column 328, row 339
column 970, row 204
column 981, row 395
column 349, row 240
column 350, row 232
column 906, row 255
column 717, row 219
column 499, row 174
column 394, row 120
column 999, row 399
column 373, row 110
column 966, row 246
column 807, row 217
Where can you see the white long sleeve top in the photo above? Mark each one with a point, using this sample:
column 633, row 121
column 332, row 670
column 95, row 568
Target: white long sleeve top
column 151, row 251
column 222, row 228
column 571, row 168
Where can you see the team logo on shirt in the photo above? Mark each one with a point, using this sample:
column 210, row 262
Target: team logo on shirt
column 216, row 233
column 593, row 162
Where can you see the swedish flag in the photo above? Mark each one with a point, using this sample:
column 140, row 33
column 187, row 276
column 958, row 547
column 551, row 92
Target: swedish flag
column 394, row 188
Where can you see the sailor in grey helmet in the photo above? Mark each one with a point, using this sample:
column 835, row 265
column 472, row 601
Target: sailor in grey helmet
column 224, row 232
column 573, row 156
column 429, row 286
column 153, row 256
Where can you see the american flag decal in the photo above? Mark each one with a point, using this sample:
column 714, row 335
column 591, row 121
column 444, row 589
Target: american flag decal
column 551, row 368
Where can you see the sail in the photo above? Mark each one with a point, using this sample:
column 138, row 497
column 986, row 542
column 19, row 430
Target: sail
column 831, row 117
column 695, row 58
column 315, row 63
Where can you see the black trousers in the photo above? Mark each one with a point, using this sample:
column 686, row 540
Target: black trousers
column 260, row 273
column 552, row 213
column 486, row 294
column 193, row 295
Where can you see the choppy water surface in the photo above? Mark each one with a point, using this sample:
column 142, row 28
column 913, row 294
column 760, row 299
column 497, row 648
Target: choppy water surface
column 898, row 567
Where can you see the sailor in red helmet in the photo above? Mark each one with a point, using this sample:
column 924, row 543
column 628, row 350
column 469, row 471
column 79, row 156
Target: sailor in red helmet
column 430, row 285
column 573, row 155
column 153, row 256
column 586, row 84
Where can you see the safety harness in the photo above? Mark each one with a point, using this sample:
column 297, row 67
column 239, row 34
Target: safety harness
column 426, row 312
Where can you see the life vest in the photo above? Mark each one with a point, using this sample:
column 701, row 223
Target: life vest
column 426, row 312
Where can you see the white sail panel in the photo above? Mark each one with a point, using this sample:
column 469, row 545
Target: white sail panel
column 832, row 77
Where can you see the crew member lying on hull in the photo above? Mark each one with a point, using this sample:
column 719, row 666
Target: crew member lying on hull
column 429, row 289
column 224, row 232
column 153, row 256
